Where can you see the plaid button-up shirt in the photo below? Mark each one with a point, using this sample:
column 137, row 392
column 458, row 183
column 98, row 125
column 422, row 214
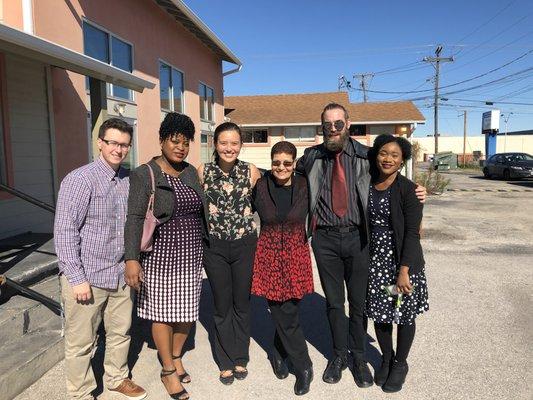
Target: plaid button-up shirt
column 89, row 225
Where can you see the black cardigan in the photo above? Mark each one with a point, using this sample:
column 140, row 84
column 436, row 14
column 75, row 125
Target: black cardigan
column 405, row 219
column 140, row 187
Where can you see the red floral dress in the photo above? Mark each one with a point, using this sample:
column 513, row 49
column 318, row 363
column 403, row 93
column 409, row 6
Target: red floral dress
column 282, row 266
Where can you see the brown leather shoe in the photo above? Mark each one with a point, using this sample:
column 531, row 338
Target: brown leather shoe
column 130, row 390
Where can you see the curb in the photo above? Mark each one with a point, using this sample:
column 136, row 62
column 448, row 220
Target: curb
column 490, row 190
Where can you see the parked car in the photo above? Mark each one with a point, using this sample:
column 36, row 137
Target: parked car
column 509, row 166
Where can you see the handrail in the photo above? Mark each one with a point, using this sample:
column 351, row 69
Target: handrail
column 28, row 198
column 47, row 301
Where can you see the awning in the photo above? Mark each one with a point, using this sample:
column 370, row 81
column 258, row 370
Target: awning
column 21, row 43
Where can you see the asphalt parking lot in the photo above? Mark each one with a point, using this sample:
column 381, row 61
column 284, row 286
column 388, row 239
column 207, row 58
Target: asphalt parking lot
column 474, row 343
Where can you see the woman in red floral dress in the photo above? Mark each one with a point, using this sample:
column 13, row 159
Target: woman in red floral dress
column 282, row 267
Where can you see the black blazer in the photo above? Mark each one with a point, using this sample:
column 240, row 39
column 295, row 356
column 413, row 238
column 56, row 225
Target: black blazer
column 140, row 187
column 405, row 219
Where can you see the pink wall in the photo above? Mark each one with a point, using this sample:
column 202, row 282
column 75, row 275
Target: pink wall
column 12, row 13
column 155, row 35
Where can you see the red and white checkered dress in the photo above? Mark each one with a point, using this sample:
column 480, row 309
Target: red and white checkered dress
column 173, row 269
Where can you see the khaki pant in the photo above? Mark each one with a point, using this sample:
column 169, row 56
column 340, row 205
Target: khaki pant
column 81, row 324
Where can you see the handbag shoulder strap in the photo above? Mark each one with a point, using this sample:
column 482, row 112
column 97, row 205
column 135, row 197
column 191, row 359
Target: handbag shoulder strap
column 152, row 192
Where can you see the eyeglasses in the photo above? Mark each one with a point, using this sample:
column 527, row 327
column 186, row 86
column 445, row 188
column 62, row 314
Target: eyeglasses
column 338, row 125
column 112, row 143
column 286, row 164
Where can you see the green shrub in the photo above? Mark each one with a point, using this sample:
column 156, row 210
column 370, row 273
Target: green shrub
column 434, row 182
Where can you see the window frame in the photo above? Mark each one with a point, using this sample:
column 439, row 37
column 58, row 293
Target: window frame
column 253, row 130
column 206, row 118
column 171, row 88
column 110, row 36
column 300, row 139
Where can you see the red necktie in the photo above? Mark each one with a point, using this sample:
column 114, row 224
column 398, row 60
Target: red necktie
column 339, row 192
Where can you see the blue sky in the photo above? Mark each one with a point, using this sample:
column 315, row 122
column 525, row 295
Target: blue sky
column 297, row 46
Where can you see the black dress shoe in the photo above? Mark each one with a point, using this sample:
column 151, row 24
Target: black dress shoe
column 279, row 366
column 381, row 375
column 333, row 372
column 227, row 380
column 396, row 377
column 240, row 374
column 303, row 381
column 362, row 375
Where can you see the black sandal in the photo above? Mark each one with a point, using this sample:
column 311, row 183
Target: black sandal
column 240, row 374
column 183, row 376
column 175, row 396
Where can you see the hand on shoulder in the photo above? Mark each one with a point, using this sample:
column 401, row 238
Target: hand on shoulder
column 255, row 174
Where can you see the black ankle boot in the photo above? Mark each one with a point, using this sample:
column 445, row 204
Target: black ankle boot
column 382, row 373
column 396, row 377
column 303, row 381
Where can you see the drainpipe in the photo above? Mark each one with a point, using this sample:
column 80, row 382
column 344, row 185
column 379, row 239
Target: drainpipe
column 232, row 71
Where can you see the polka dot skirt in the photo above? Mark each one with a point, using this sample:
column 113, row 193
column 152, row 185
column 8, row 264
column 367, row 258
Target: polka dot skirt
column 383, row 270
column 173, row 269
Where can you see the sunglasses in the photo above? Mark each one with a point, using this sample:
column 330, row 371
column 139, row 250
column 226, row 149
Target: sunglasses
column 338, row 125
column 286, row 164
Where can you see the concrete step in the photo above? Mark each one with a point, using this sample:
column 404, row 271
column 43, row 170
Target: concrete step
column 28, row 358
column 20, row 315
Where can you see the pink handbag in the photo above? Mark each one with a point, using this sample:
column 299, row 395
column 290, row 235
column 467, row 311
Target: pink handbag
column 150, row 221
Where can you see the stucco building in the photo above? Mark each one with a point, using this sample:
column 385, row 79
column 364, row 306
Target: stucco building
column 65, row 66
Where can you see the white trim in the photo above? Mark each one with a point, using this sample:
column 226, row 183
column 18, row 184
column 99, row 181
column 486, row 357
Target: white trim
column 18, row 42
column 318, row 123
column 205, row 29
column 27, row 16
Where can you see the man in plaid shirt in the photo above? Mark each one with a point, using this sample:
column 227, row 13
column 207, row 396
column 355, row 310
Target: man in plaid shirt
column 89, row 240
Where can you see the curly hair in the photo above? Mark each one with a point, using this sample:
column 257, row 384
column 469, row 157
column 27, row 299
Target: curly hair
column 384, row 139
column 175, row 123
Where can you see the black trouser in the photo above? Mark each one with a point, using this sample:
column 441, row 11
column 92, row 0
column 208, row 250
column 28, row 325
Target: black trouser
column 404, row 340
column 289, row 339
column 342, row 258
column 229, row 265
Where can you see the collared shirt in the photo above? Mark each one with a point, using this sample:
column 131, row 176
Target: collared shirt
column 89, row 225
column 229, row 197
column 324, row 209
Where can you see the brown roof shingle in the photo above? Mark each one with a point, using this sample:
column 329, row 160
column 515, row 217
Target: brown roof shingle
column 307, row 107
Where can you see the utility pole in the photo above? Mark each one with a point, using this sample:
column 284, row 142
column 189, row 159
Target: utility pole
column 435, row 61
column 362, row 79
column 464, row 138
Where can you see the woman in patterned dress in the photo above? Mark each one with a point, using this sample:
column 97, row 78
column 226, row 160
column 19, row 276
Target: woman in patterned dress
column 396, row 258
column 169, row 277
column 229, row 257
column 282, row 267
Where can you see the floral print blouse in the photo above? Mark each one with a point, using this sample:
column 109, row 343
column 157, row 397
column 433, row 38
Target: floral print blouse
column 229, row 197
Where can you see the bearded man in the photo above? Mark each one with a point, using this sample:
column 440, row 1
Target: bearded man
column 339, row 181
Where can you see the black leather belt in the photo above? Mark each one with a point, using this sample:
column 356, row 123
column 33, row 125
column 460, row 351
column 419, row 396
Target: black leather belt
column 340, row 229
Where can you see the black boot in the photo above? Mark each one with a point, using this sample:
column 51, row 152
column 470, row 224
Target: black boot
column 361, row 374
column 333, row 372
column 303, row 381
column 381, row 375
column 396, row 377
column 279, row 366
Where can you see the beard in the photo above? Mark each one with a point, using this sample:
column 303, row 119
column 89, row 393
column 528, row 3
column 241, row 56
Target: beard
column 336, row 145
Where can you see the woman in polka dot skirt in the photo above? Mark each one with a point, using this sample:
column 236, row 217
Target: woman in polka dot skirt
column 396, row 259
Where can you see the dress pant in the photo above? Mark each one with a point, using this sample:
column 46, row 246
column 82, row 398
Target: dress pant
column 81, row 324
column 289, row 339
column 229, row 266
column 342, row 259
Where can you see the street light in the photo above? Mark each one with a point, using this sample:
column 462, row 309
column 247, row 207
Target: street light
column 505, row 119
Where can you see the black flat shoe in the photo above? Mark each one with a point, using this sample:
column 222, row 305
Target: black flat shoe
column 396, row 377
column 362, row 375
column 303, row 381
column 183, row 395
column 226, row 380
column 240, row 374
column 333, row 372
column 381, row 374
column 279, row 366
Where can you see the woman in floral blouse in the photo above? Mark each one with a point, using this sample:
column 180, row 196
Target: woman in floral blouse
column 229, row 257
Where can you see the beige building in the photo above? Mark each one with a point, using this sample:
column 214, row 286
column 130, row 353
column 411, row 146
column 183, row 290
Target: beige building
column 266, row 120
column 66, row 66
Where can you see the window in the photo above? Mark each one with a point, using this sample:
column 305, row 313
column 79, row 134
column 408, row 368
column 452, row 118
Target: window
column 207, row 102
column 300, row 133
column 170, row 88
column 255, row 136
column 107, row 48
